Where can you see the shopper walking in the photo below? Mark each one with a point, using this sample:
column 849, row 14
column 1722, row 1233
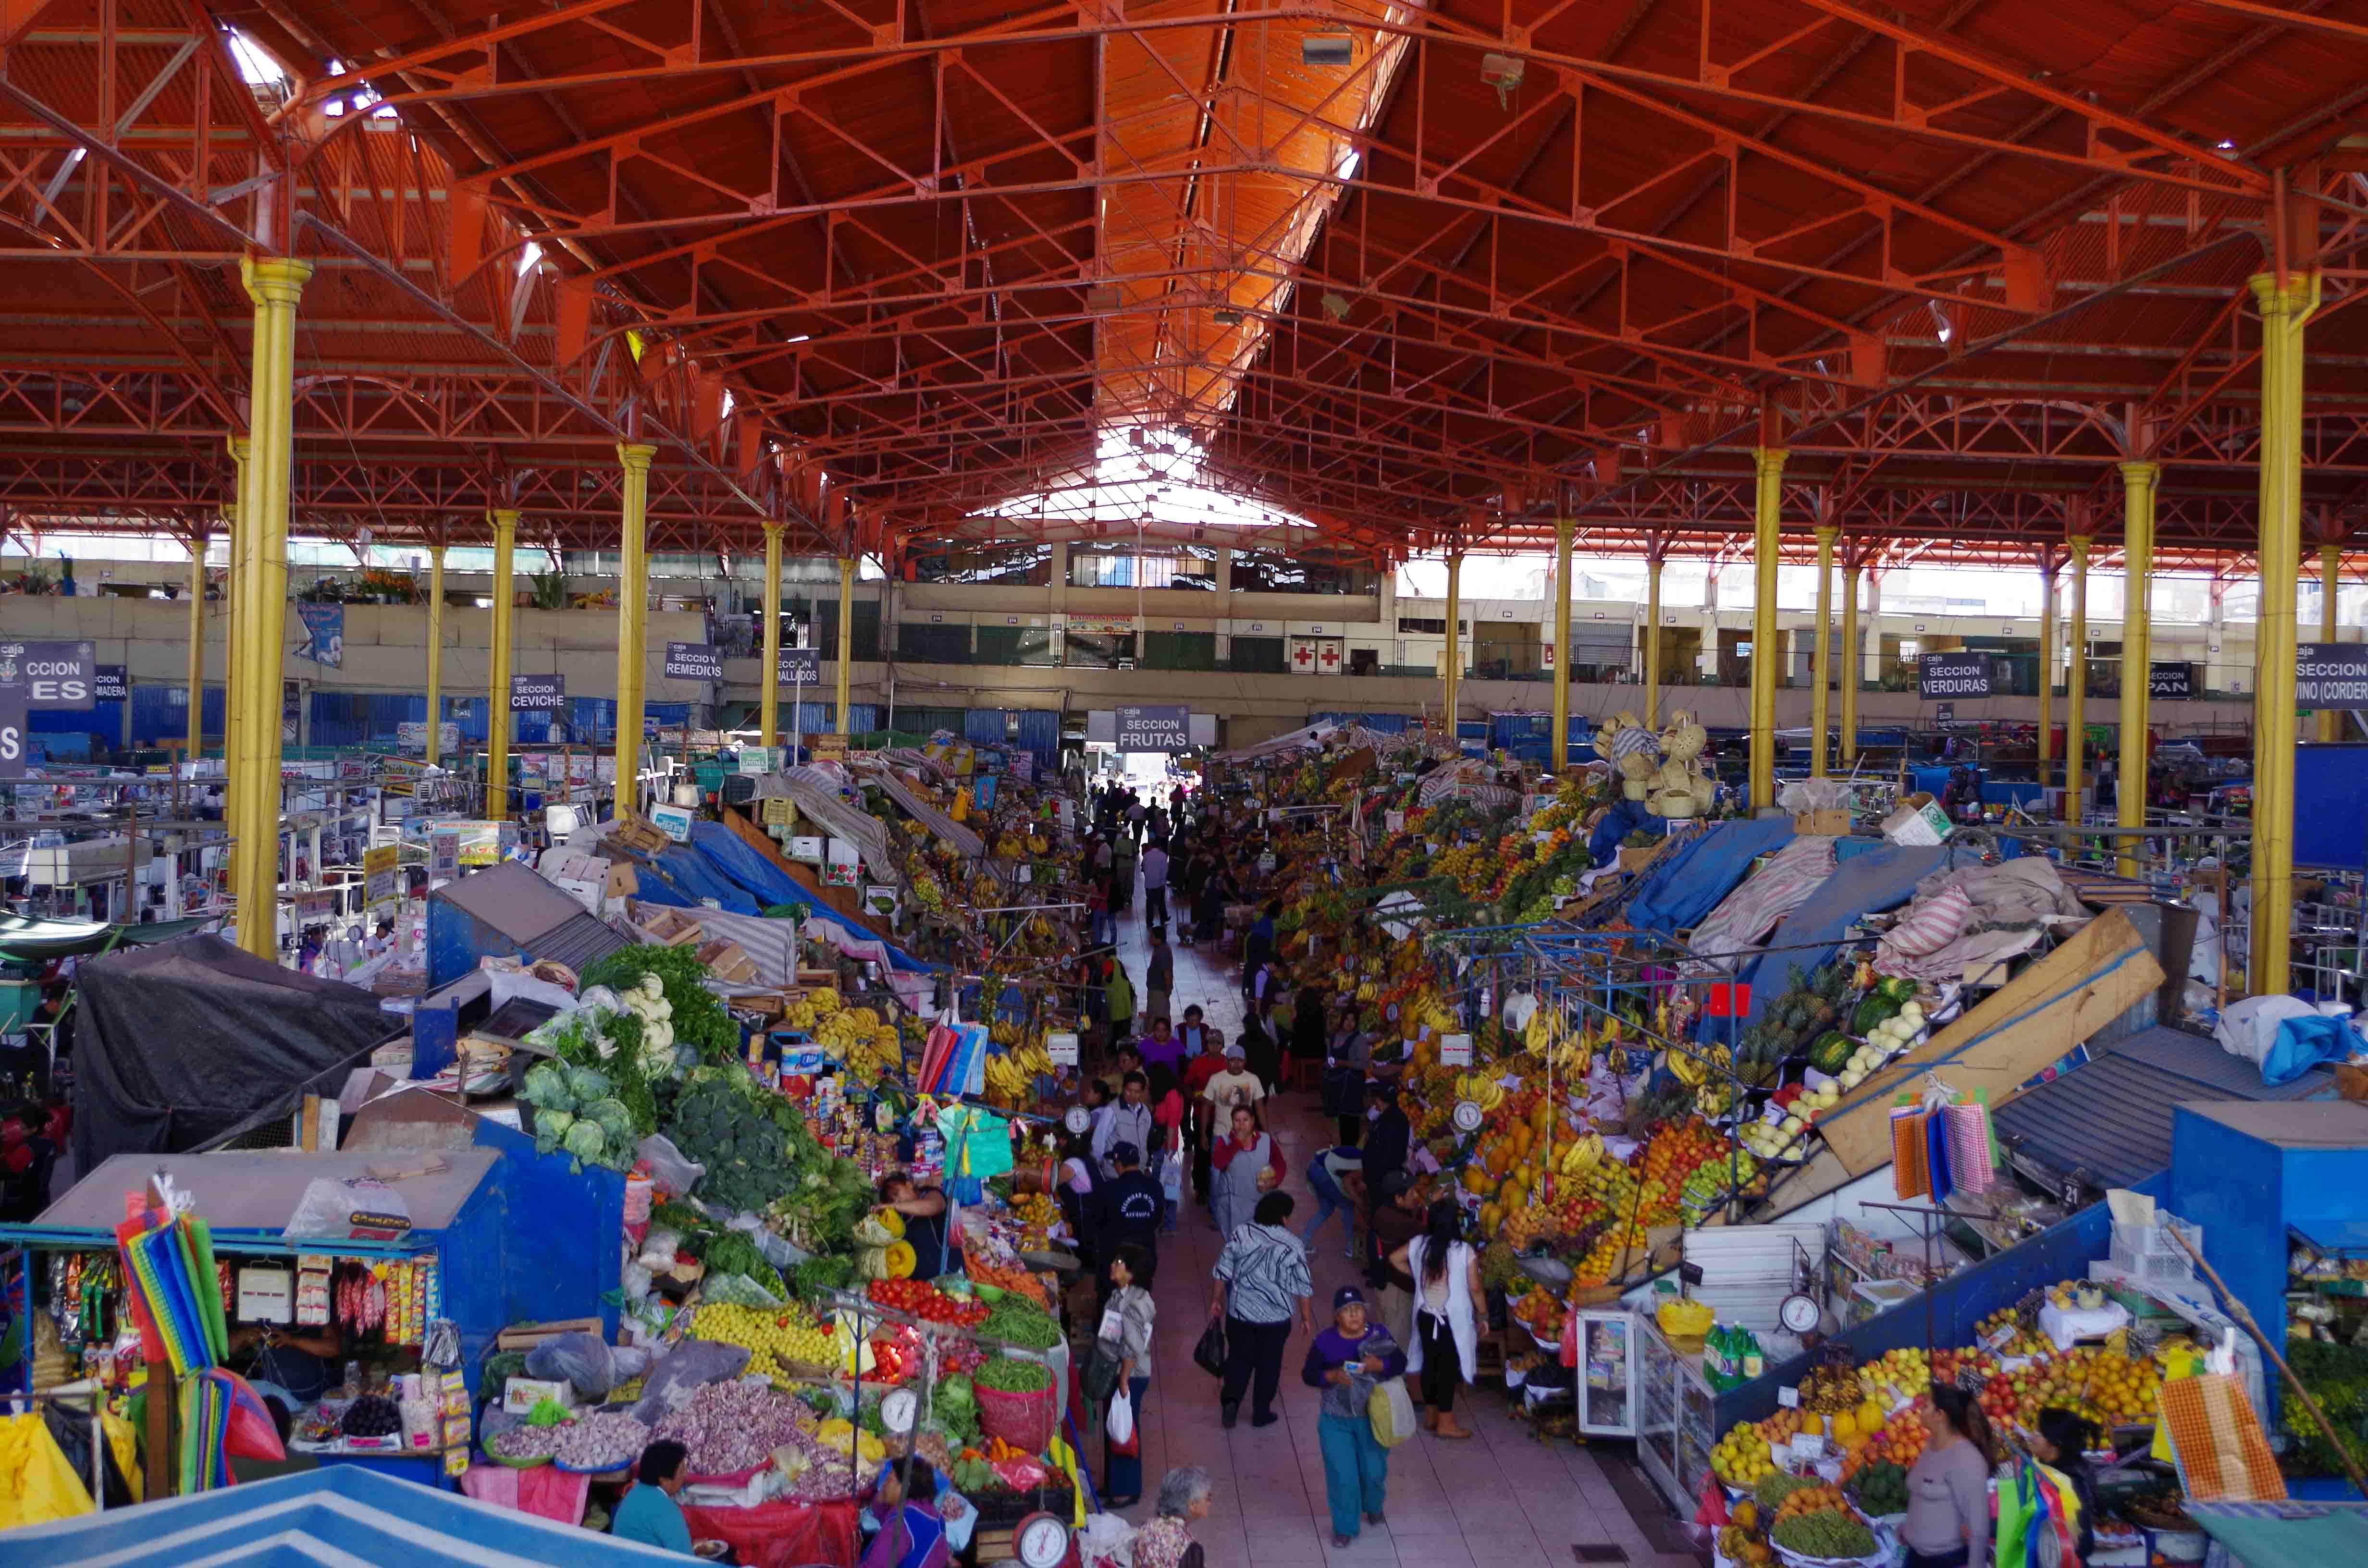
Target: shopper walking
column 1158, row 977
column 1166, row 1542
column 1126, row 1120
column 1154, row 882
column 1337, row 1176
column 1127, row 1320
column 1346, row 1360
column 1397, row 1219
column 1118, row 995
column 1948, row 1522
column 1446, row 1274
column 1246, row 1162
column 1262, row 1283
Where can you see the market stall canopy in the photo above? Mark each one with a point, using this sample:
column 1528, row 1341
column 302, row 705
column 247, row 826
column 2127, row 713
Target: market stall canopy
column 258, row 1189
column 335, row 1514
column 814, row 790
column 184, row 1042
column 509, row 911
column 24, row 939
column 965, row 841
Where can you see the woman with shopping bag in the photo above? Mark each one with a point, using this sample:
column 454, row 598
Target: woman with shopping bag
column 1349, row 1361
column 1446, row 1274
column 1126, row 1327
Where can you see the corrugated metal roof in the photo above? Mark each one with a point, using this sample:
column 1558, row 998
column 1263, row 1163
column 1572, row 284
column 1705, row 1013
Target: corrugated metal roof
column 2110, row 1120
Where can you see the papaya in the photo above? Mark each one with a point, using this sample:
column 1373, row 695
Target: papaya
column 1512, row 1195
column 1490, row 1218
column 892, row 1222
column 1474, row 1180
column 902, row 1260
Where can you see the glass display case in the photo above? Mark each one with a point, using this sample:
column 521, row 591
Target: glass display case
column 1608, row 1367
column 1676, row 1414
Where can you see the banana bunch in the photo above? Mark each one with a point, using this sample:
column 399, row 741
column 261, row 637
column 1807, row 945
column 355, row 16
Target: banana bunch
column 1713, row 1099
column 1480, row 1089
column 1007, row 1083
column 808, row 1012
column 860, row 1039
column 1548, row 1037
column 1583, row 1155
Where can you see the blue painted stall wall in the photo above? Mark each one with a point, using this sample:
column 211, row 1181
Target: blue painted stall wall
column 474, row 1271
column 984, row 726
column 556, row 1265
column 1040, row 731
column 2329, row 781
column 159, row 711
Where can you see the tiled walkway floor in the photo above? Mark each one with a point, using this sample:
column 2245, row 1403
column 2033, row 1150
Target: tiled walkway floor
column 1499, row 1500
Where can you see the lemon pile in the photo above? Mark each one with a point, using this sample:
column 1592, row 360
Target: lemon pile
column 776, row 1338
column 1741, row 1456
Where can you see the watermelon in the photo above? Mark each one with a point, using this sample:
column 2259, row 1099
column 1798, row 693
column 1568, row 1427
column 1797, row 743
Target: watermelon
column 1896, row 989
column 1875, row 1009
column 1832, row 1053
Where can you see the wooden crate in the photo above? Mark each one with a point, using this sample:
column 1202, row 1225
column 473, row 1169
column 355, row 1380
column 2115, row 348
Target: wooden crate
column 1488, row 1354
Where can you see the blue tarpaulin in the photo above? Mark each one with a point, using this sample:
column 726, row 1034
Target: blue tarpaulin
column 1882, row 878
column 728, row 857
column 1624, row 817
column 1687, row 885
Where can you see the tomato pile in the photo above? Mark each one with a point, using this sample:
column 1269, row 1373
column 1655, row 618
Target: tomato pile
column 922, row 1300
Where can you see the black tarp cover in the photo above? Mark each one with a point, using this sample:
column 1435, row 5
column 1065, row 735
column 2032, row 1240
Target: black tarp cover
column 184, row 1041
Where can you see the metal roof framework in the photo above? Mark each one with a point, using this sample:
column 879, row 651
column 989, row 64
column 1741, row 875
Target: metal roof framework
column 1424, row 276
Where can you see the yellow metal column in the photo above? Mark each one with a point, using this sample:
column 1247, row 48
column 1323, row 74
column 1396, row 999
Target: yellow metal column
column 435, row 655
column 1452, row 667
column 1821, row 662
column 2330, row 568
column 275, row 284
column 236, row 533
column 1653, row 638
column 1853, row 666
column 2076, row 684
column 497, row 671
column 2046, row 661
column 1557, row 748
column 846, row 643
column 632, row 621
column 1767, row 507
column 769, row 679
column 2137, row 651
column 2286, row 304
column 198, row 643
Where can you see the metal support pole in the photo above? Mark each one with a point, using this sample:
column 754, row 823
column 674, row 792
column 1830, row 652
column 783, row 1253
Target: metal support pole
column 2330, row 571
column 2137, row 652
column 237, row 533
column 632, row 621
column 196, row 736
column 1653, row 637
column 1853, row 665
column 275, row 284
column 768, row 678
column 1766, row 514
column 1452, row 667
column 497, row 671
column 846, row 644
column 434, row 654
column 2076, row 684
column 1821, row 661
column 2046, row 661
column 2286, row 303
column 1559, row 748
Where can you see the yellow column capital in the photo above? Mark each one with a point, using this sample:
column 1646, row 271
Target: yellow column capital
column 635, row 455
column 773, row 530
column 1768, row 462
column 2079, row 545
column 2299, row 297
column 503, row 518
column 436, row 554
column 274, row 279
column 241, row 449
column 1826, row 533
column 2141, row 473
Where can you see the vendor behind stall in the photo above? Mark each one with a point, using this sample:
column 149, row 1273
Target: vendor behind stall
column 298, row 1367
column 923, row 1212
column 649, row 1513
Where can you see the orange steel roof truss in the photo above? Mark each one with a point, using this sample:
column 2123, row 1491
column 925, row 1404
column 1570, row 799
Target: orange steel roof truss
column 1423, row 276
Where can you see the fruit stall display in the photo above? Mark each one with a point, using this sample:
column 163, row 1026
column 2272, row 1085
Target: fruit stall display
column 1871, row 1418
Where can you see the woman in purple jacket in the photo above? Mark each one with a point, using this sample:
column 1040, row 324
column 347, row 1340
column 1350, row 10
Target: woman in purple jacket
column 1345, row 1361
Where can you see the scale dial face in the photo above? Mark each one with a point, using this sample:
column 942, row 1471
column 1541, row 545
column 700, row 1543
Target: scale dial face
column 896, row 1410
column 1469, row 1116
column 1040, row 1541
column 1077, row 1119
column 1798, row 1313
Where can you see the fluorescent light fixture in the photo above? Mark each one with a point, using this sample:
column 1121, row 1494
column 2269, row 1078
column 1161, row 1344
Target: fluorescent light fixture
column 1326, row 48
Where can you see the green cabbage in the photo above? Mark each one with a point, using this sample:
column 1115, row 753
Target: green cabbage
column 555, row 1122
column 613, row 1117
column 586, row 1083
column 586, row 1139
column 545, row 1087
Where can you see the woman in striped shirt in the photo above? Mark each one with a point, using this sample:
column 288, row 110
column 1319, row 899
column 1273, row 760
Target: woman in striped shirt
column 1262, row 1283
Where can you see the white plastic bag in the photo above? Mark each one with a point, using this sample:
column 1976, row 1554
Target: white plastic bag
column 1119, row 1422
column 356, row 1209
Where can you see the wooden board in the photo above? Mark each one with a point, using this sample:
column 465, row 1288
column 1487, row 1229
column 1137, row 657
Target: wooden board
column 2012, row 1034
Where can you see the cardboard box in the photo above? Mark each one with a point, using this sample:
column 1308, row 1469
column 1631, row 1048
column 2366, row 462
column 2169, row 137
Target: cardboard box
column 520, row 1395
column 527, row 1335
column 1919, row 821
column 1835, row 823
column 1637, row 858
